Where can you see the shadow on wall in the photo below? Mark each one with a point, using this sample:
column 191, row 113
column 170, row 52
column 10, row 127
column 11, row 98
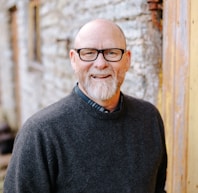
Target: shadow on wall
column 6, row 145
column 6, row 139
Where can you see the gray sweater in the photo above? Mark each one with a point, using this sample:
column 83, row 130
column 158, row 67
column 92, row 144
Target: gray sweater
column 70, row 147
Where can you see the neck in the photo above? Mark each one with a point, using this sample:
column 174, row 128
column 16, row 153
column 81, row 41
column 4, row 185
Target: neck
column 109, row 104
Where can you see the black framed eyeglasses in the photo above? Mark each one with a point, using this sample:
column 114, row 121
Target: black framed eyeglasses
column 91, row 54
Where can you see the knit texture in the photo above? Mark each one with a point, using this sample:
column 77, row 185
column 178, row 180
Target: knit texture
column 70, row 147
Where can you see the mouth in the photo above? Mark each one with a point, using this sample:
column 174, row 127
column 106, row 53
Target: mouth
column 100, row 76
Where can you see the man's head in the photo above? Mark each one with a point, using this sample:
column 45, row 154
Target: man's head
column 100, row 74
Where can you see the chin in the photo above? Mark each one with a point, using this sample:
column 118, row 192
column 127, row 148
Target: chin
column 101, row 91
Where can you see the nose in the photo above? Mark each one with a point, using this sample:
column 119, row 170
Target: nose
column 100, row 62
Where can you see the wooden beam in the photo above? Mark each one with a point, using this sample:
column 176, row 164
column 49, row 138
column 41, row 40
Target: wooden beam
column 15, row 55
column 175, row 90
column 192, row 186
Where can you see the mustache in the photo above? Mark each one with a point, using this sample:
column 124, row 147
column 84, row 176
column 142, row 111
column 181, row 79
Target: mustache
column 101, row 72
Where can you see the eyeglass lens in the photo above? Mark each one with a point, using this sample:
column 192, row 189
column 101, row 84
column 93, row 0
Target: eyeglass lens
column 89, row 54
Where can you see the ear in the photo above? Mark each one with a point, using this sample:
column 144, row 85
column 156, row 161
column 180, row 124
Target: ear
column 72, row 55
column 128, row 59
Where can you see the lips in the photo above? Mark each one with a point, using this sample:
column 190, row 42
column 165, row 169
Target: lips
column 100, row 76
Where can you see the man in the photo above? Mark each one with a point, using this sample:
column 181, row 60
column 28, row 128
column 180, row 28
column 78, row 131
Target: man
column 97, row 139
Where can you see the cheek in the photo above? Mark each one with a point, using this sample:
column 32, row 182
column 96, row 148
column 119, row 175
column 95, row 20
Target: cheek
column 82, row 68
column 119, row 69
column 120, row 73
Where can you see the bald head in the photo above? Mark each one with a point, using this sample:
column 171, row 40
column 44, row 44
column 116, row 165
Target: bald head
column 100, row 34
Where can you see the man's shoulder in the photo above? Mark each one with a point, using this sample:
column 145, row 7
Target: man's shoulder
column 54, row 112
column 49, row 120
column 137, row 101
column 139, row 105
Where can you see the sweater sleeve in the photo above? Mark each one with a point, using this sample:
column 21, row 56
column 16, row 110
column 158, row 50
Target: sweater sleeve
column 161, row 176
column 30, row 165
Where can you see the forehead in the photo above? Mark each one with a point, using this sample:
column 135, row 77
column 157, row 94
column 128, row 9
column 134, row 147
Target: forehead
column 100, row 34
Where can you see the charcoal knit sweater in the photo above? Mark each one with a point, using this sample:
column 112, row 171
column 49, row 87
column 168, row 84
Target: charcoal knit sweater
column 70, row 147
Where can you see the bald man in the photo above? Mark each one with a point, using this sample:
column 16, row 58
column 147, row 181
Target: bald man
column 97, row 139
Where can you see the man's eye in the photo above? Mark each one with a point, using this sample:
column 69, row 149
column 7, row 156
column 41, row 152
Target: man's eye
column 112, row 53
column 89, row 53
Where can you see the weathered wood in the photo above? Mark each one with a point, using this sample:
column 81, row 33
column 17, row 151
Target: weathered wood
column 192, row 186
column 15, row 53
column 175, row 91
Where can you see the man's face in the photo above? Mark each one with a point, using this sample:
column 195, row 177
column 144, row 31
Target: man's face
column 100, row 79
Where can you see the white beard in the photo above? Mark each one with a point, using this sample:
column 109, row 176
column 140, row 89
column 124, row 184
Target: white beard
column 101, row 89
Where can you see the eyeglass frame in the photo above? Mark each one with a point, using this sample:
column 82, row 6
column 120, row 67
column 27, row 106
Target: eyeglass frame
column 100, row 51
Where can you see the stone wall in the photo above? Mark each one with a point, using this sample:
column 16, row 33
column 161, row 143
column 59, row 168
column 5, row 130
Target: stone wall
column 60, row 20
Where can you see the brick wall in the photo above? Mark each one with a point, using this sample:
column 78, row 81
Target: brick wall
column 60, row 20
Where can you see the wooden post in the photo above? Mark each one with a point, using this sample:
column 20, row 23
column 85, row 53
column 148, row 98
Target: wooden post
column 175, row 91
column 15, row 54
column 192, row 186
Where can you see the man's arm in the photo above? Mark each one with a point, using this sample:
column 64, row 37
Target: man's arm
column 161, row 177
column 28, row 168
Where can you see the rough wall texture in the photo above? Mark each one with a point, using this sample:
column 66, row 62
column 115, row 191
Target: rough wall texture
column 59, row 20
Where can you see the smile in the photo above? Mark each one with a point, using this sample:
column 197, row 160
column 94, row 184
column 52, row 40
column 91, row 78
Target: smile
column 100, row 76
